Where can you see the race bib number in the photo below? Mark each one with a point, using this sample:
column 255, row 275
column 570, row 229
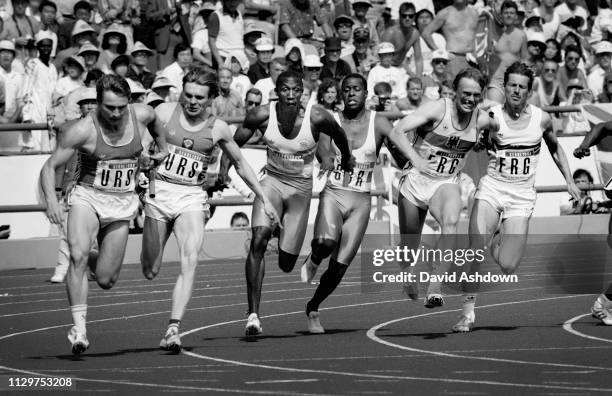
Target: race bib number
column 184, row 166
column 516, row 165
column 286, row 163
column 443, row 163
column 116, row 175
column 360, row 179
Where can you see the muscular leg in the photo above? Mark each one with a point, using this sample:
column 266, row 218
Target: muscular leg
column 82, row 230
column 328, row 283
column 112, row 240
column 510, row 248
column 255, row 269
column 327, row 228
column 411, row 220
column 155, row 234
column 445, row 207
column 189, row 231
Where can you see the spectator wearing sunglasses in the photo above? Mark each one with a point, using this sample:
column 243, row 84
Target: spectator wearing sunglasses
column 439, row 73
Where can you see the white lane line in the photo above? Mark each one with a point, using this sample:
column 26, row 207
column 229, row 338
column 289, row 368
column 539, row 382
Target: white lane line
column 567, row 326
column 391, row 377
column 372, row 335
column 281, row 381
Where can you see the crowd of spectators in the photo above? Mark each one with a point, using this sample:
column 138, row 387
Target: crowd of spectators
column 409, row 52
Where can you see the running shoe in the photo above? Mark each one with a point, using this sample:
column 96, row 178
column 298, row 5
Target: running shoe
column 434, row 300
column 602, row 310
column 172, row 340
column 314, row 324
column 78, row 340
column 59, row 274
column 253, row 326
column 465, row 324
column 309, row 269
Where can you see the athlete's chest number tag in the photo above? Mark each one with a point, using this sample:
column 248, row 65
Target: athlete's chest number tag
column 116, row 175
column 442, row 162
column 516, row 164
column 359, row 179
column 183, row 165
column 287, row 163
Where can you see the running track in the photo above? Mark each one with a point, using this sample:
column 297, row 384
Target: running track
column 525, row 341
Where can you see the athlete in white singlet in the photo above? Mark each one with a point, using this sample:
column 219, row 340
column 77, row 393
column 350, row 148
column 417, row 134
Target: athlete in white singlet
column 103, row 201
column 344, row 203
column 507, row 191
column 178, row 205
column 445, row 132
column 291, row 141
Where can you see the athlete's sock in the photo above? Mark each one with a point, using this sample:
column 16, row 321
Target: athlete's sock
column 328, row 283
column 174, row 322
column 469, row 301
column 79, row 316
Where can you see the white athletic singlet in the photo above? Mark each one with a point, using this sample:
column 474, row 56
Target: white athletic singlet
column 446, row 144
column 515, row 153
column 360, row 179
column 290, row 157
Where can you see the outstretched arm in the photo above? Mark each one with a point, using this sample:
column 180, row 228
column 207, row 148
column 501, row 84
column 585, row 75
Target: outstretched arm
column 433, row 27
column 598, row 132
column 558, row 155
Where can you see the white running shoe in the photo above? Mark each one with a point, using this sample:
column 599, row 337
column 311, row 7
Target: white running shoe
column 58, row 275
column 78, row 340
column 465, row 324
column 434, row 300
column 172, row 340
column 253, row 326
column 314, row 324
column 602, row 310
column 309, row 269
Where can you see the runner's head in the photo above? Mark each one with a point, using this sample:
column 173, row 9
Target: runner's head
column 113, row 95
column 199, row 88
column 468, row 86
column 354, row 92
column 289, row 87
column 518, row 81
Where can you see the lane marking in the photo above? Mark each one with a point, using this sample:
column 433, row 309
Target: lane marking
column 567, row 326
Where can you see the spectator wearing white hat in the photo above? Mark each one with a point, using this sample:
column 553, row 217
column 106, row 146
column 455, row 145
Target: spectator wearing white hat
column 260, row 69
column 161, row 86
column 137, row 91
column 536, row 46
column 294, row 54
column 225, row 31
column 81, row 11
column 603, row 55
column 238, row 63
column 251, row 34
column 312, row 73
column 199, row 35
column 439, row 73
column 137, row 70
column 90, row 54
column 119, row 15
column 41, row 78
column 267, row 85
column 114, row 43
column 82, row 33
column 13, row 82
column 74, row 70
column 385, row 72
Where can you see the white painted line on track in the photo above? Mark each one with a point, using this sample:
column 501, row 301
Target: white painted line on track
column 391, row 377
column 567, row 326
